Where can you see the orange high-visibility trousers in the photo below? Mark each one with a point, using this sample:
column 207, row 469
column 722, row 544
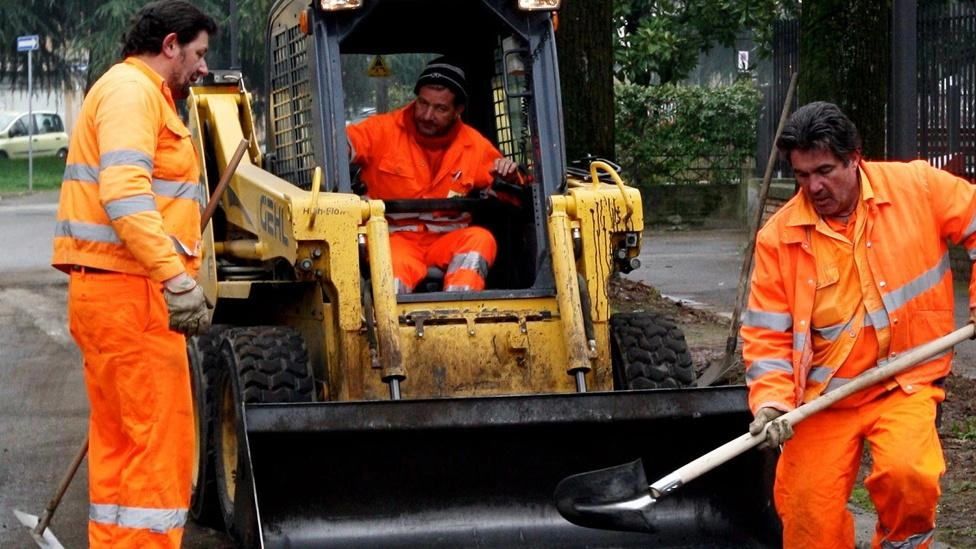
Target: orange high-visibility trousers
column 819, row 466
column 465, row 255
column 141, row 422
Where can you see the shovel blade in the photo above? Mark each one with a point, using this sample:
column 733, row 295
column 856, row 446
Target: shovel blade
column 614, row 498
column 45, row 539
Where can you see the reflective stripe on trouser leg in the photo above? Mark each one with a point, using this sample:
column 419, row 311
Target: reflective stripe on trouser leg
column 907, row 463
column 141, row 426
column 465, row 255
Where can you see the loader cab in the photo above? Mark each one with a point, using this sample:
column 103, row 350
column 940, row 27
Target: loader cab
column 361, row 62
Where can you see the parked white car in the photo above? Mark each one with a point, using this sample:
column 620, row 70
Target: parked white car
column 47, row 135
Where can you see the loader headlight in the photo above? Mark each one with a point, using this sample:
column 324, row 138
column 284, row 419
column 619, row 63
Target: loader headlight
column 335, row 5
column 536, row 5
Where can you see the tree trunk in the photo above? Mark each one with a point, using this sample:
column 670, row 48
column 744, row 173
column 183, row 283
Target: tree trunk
column 844, row 59
column 585, row 42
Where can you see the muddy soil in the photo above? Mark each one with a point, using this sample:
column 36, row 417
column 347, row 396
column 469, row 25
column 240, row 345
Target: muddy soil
column 707, row 334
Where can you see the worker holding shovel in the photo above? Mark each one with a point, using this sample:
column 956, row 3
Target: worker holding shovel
column 128, row 234
column 851, row 273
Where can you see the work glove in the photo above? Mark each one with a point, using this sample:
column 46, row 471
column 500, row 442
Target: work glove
column 188, row 307
column 778, row 432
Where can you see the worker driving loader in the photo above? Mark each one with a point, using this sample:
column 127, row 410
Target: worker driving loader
column 425, row 150
column 333, row 411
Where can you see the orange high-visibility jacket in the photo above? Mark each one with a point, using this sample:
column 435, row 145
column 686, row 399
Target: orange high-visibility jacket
column 914, row 211
column 131, row 197
column 395, row 167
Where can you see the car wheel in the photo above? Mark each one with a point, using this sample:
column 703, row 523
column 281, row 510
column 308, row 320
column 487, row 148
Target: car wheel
column 62, row 154
column 3, row 155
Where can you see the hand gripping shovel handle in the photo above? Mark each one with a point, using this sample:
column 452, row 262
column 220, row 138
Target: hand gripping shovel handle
column 733, row 448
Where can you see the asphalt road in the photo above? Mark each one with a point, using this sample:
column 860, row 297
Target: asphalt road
column 43, row 406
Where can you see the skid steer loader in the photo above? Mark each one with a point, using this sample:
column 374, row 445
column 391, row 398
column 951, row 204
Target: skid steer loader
column 333, row 412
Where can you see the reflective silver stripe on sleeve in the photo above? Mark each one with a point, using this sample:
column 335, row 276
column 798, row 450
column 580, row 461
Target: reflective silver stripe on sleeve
column 765, row 366
column 105, row 234
column 81, row 172
column 130, row 205
column 780, row 322
column 913, row 288
column 970, row 229
column 87, row 231
column 799, row 340
column 877, row 318
column 831, row 333
column 181, row 248
column 469, row 260
column 176, row 189
column 818, row 374
column 972, row 254
column 837, row 382
column 126, row 157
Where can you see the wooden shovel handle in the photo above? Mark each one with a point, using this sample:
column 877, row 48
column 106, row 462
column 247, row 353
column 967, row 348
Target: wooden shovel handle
column 733, row 448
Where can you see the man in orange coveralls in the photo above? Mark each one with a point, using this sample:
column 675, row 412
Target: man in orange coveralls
column 128, row 234
column 852, row 271
column 425, row 150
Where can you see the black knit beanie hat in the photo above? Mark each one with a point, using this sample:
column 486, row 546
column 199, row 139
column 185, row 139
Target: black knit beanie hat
column 444, row 72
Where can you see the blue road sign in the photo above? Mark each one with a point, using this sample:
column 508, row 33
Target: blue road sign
column 28, row 43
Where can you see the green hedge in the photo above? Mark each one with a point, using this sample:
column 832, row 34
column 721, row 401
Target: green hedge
column 679, row 134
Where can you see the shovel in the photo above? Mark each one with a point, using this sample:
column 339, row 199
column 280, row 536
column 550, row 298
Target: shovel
column 44, row 537
column 619, row 498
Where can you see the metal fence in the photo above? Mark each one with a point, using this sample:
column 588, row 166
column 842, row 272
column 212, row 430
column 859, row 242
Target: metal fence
column 784, row 61
column 945, row 86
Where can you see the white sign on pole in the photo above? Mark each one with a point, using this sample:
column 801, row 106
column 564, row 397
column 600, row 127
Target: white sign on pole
column 28, row 43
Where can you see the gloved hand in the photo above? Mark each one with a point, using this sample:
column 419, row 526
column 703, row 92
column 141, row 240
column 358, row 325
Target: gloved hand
column 778, row 432
column 188, row 307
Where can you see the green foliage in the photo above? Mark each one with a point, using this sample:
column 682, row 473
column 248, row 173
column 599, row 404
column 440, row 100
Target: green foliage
column 965, row 430
column 88, row 33
column 14, row 175
column 659, row 40
column 673, row 134
column 845, row 57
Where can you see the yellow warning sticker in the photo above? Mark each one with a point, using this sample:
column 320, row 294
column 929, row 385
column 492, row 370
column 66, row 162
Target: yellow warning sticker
column 378, row 67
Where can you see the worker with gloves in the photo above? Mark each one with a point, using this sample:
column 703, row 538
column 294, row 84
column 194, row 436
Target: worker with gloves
column 424, row 150
column 128, row 235
column 851, row 272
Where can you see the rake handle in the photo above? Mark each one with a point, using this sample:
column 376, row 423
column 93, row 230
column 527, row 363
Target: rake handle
column 733, row 448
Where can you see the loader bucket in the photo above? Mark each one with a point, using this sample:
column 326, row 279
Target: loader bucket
column 480, row 472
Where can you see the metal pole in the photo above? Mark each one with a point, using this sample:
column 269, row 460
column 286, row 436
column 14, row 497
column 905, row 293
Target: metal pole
column 30, row 122
column 903, row 144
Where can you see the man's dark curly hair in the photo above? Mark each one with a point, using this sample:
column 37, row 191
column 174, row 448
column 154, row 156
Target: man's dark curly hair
column 155, row 20
column 819, row 126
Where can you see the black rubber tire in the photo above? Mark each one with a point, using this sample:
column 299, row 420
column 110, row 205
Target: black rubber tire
column 261, row 364
column 203, row 352
column 649, row 352
column 63, row 154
